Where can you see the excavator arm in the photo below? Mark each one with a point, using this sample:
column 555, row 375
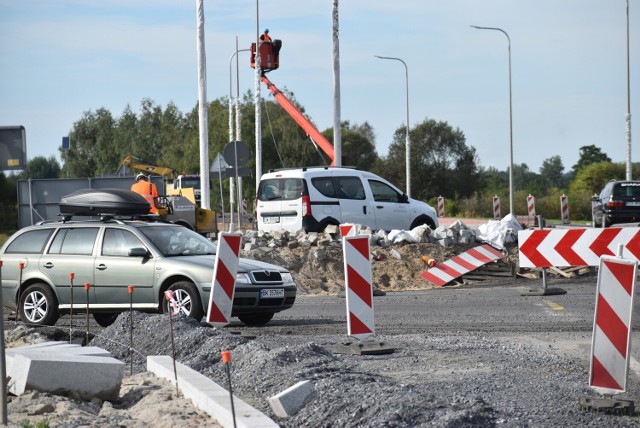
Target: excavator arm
column 312, row 132
column 131, row 162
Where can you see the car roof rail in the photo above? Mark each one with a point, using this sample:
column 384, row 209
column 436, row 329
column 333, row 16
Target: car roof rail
column 305, row 168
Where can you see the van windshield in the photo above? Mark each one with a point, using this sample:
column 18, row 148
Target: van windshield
column 281, row 188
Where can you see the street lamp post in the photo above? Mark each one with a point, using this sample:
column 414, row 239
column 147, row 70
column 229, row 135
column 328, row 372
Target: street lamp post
column 233, row 140
column 408, row 142
column 510, row 117
column 628, row 116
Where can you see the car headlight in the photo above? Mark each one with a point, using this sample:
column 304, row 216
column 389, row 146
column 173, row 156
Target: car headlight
column 243, row 278
column 287, row 278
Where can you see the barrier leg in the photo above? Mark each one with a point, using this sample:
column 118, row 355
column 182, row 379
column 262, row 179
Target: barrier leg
column 545, row 291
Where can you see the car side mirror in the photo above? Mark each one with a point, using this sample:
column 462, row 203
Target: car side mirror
column 138, row 252
column 404, row 198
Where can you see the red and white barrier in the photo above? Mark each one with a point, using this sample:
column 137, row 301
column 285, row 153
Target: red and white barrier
column 440, row 206
column 224, row 279
column 496, row 207
column 531, row 206
column 575, row 247
column 564, row 209
column 358, row 278
column 244, row 206
column 347, row 229
column 466, row 262
column 611, row 342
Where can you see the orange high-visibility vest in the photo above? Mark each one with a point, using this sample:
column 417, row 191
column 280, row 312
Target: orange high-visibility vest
column 149, row 191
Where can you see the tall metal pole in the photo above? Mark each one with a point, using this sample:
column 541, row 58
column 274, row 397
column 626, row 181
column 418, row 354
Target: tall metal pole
column 337, row 126
column 510, row 117
column 407, row 141
column 258, row 102
column 205, row 199
column 232, row 139
column 238, row 128
column 628, row 116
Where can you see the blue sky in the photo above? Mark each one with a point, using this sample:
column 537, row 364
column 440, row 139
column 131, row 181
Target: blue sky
column 60, row 58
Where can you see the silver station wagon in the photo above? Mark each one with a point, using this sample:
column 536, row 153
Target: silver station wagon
column 110, row 255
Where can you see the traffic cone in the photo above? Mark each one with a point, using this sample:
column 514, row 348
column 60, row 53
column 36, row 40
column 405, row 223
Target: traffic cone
column 428, row 261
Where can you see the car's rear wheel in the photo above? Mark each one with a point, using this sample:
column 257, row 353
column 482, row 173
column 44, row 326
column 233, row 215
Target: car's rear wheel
column 38, row 305
column 187, row 300
column 105, row 320
column 256, row 319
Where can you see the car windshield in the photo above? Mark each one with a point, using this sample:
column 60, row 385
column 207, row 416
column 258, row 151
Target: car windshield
column 174, row 241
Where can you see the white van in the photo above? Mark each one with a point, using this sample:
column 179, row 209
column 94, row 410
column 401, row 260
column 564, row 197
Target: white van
column 312, row 198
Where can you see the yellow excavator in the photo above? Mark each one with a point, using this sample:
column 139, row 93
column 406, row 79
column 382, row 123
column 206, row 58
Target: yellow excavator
column 180, row 204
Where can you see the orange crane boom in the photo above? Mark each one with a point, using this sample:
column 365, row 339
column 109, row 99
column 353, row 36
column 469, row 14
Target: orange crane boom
column 312, row 132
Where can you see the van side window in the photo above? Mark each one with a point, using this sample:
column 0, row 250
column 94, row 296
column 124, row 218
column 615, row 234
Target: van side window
column 383, row 193
column 350, row 188
column 324, row 185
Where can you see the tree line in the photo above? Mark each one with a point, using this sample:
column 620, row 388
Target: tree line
column 442, row 163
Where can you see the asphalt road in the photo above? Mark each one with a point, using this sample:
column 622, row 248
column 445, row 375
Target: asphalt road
column 496, row 309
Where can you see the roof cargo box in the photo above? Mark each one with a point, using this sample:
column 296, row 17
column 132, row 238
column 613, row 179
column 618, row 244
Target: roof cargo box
column 90, row 202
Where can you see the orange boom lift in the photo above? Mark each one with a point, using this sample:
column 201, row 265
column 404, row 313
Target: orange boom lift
column 270, row 60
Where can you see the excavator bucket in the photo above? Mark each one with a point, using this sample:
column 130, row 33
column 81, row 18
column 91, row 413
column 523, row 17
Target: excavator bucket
column 269, row 55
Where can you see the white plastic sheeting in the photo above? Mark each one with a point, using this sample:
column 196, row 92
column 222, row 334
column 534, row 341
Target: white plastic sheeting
column 497, row 233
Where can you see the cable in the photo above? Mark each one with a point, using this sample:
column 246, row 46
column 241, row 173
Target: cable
column 272, row 135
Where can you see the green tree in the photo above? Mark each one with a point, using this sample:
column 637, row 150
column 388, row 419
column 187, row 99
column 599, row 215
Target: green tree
column 589, row 155
column 552, row 173
column 41, row 167
column 358, row 145
column 441, row 162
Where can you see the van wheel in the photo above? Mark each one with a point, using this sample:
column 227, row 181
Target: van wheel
column 423, row 219
column 38, row 305
column 105, row 320
column 187, row 298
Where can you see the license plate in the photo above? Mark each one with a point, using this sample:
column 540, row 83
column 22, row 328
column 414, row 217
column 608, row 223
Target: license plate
column 269, row 293
column 271, row 220
column 633, row 204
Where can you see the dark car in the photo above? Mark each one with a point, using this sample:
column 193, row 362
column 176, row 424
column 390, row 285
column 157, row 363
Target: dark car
column 618, row 202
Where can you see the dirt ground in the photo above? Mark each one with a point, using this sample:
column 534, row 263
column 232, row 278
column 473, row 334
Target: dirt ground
column 320, row 270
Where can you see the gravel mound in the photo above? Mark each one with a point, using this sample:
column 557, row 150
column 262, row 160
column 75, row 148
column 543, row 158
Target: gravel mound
column 442, row 381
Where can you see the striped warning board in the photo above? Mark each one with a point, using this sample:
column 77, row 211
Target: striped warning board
column 224, row 279
column 347, row 229
column 575, row 247
column 611, row 340
column 358, row 278
column 463, row 263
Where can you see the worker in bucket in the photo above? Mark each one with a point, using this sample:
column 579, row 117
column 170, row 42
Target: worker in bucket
column 148, row 190
column 265, row 36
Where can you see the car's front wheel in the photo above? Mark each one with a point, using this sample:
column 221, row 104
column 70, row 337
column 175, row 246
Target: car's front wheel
column 38, row 305
column 256, row 319
column 187, row 300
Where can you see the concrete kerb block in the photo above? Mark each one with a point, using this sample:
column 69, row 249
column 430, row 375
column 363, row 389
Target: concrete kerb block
column 64, row 367
column 293, row 399
column 208, row 396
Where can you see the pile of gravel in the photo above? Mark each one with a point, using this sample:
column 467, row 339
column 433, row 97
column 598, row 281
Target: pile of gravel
column 429, row 380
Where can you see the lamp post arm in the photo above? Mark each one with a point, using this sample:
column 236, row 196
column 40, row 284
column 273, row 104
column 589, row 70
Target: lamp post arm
column 408, row 141
column 511, row 211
